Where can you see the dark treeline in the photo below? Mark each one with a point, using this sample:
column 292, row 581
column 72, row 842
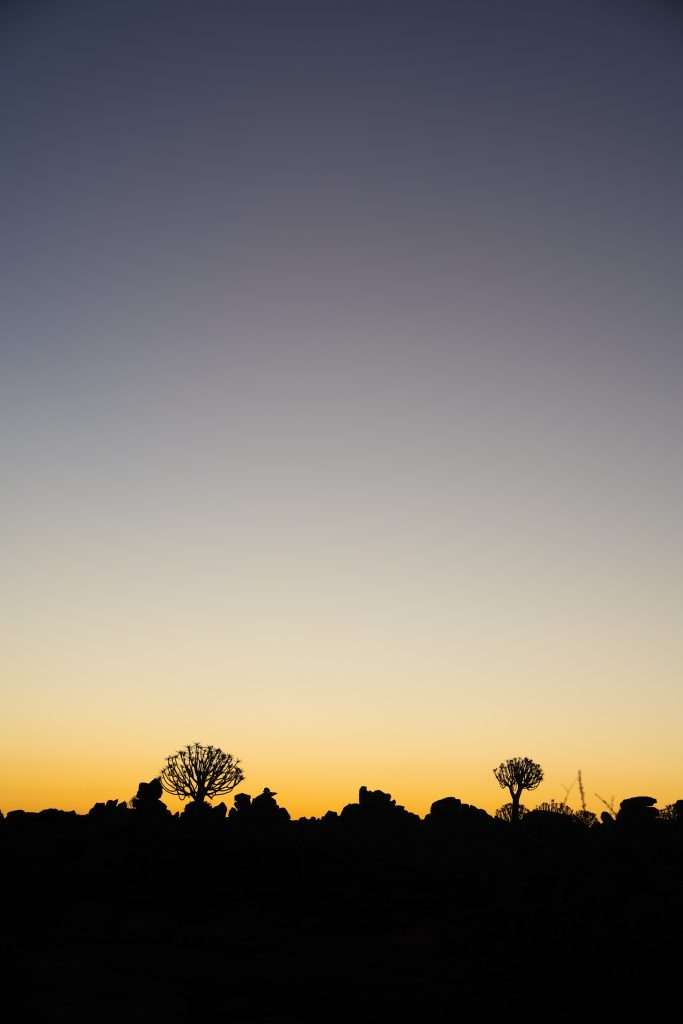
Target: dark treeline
column 370, row 914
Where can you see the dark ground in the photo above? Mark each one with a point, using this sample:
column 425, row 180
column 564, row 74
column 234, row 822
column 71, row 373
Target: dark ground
column 371, row 916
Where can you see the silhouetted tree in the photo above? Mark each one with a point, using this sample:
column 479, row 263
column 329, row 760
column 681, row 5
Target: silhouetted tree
column 516, row 775
column 200, row 773
column 504, row 813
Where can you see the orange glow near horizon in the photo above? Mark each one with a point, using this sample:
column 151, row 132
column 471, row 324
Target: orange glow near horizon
column 321, row 708
column 308, row 782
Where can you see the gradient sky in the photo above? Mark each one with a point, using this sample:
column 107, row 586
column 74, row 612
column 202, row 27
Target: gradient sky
column 342, row 395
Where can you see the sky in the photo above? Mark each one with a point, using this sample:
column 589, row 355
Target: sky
column 341, row 390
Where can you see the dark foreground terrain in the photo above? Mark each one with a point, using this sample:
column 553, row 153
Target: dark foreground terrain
column 373, row 915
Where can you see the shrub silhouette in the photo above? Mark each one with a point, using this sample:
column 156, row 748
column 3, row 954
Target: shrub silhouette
column 586, row 818
column 516, row 775
column 555, row 807
column 504, row 813
column 199, row 773
column 673, row 813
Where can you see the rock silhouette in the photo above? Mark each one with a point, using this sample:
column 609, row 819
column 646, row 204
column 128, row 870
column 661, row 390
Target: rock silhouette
column 147, row 801
column 637, row 812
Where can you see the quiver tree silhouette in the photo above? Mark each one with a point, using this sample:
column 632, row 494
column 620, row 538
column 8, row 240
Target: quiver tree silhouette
column 516, row 775
column 200, row 773
column 504, row 813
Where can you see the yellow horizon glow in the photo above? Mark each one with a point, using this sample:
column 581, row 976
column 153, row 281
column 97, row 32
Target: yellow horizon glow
column 421, row 714
column 316, row 784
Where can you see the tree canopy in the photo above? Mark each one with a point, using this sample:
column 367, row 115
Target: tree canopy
column 517, row 774
column 199, row 773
